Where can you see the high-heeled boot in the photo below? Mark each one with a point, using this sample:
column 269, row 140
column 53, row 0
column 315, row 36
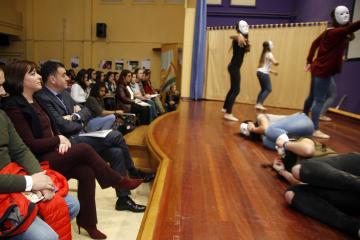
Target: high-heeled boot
column 93, row 232
column 129, row 183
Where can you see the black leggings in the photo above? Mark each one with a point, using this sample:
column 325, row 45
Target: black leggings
column 234, row 88
column 332, row 192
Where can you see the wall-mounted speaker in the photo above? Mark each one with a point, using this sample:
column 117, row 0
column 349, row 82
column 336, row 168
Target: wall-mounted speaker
column 101, row 30
column 4, row 40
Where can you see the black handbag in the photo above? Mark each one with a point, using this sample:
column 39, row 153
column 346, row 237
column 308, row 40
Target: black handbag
column 125, row 122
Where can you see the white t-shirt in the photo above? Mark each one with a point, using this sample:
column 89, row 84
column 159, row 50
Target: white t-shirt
column 78, row 93
column 267, row 63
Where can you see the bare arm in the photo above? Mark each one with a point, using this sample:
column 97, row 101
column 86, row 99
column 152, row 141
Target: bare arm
column 252, row 128
column 305, row 147
column 279, row 167
column 240, row 39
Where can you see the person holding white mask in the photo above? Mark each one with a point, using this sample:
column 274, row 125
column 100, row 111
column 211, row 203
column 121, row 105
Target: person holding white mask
column 263, row 73
column 330, row 47
column 240, row 46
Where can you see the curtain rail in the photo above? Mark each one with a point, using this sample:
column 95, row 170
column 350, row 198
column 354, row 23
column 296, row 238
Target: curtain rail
column 301, row 24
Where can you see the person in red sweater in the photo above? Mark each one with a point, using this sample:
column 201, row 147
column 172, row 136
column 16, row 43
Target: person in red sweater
column 330, row 46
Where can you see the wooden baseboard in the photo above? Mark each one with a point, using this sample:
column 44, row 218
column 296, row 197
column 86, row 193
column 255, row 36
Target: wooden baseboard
column 348, row 114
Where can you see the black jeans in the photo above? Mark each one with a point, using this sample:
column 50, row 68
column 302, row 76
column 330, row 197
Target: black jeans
column 332, row 192
column 234, row 88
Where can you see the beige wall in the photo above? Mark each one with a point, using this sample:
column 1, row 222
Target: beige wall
column 61, row 29
column 11, row 23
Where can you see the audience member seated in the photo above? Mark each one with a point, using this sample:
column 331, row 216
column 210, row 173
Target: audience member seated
column 91, row 76
column 172, row 98
column 20, row 172
column 100, row 76
column 81, row 88
column 2, row 80
column 126, row 101
column 268, row 127
column 78, row 161
column 135, row 88
column 148, row 89
column 69, row 119
column 101, row 119
column 72, row 78
column 109, row 98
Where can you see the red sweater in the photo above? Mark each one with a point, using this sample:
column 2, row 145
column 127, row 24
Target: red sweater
column 331, row 45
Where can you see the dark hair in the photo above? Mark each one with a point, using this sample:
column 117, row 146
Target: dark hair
column 14, row 75
column 253, row 136
column 122, row 77
column 49, row 68
column 89, row 72
column 266, row 48
column 95, row 89
column 98, row 76
column 108, row 74
column 71, row 74
column 147, row 72
column 80, row 78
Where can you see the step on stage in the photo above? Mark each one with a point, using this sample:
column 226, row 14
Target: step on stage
column 211, row 182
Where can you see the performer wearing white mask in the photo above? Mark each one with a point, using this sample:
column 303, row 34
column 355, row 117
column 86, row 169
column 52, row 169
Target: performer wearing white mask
column 263, row 73
column 330, row 47
column 240, row 46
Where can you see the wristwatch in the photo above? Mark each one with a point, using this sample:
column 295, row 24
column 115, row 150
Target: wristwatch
column 74, row 117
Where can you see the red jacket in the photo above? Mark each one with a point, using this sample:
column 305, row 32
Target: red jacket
column 54, row 212
column 331, row 45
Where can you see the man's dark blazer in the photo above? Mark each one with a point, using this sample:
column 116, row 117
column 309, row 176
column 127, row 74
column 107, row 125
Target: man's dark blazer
column 57, row 110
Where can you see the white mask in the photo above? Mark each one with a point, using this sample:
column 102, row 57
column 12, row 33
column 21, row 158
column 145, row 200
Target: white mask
column 271, row 45
column 342, row 15
column 244, row 129
column 243, row 27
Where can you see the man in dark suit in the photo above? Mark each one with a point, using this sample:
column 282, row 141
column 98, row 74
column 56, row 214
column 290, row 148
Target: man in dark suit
column 70, row 119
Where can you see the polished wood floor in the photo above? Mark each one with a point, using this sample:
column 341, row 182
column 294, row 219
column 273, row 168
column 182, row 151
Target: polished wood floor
column 216, row 186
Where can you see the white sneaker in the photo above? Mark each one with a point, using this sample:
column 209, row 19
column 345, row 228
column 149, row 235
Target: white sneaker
column 223, row 110
column 260, row 107
column 320, row 134
column 230, row 117
column 324, row 118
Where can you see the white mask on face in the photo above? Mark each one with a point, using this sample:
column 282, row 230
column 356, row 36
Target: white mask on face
column 243, row 27
column 271, row 45
column 244, row 129
column 342, row 15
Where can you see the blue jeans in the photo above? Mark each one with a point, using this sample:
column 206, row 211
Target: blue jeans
column 41, row 230
column 330, row 96
column 152, row 109
column 265, row 84
column 100, row 123
column 295, row 125
column 318, row 90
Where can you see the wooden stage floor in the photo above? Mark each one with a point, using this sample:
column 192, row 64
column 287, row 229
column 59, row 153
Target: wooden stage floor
column 216, row 186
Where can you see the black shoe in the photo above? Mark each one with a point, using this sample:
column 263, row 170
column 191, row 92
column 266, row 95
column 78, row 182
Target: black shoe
column 126, row 203
column 146, row 177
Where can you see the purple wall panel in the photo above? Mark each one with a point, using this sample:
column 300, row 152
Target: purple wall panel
column 265, row 11
column 280, row 11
